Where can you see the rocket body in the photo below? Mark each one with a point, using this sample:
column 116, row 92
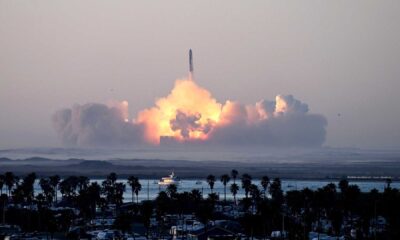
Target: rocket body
column 190, row 61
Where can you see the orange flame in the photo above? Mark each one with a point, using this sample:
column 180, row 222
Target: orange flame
column 186, row 102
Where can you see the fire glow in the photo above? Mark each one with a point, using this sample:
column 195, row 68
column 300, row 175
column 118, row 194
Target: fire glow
column 188, row 112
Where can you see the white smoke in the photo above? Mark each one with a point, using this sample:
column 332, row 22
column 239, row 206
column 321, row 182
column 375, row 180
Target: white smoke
column 185, row 123
column 96, row 124
column 283, row 122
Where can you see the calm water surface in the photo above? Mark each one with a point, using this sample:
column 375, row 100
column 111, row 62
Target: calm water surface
column 150, row 188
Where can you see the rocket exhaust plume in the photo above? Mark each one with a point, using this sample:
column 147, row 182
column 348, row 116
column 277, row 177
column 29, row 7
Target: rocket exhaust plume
column 190, row 114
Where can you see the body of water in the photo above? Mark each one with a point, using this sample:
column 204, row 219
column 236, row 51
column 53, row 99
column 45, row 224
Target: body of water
column 150, row 187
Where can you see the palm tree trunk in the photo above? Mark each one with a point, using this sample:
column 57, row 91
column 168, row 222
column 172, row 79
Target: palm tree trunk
column 4, row 212
column 265, row 190
column 56, row 188
column 225, row 192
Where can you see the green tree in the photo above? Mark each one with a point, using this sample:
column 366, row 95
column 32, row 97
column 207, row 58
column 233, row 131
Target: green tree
column 3, row 203
column 275, row 189
column 147, row 211
column 119, row 193
column 54, row 181
column 225, row 179
column 265, row 184
column 211, row 182
column 91, row 197
column 10, row 181
column 254, row 192
column 47, row 190
column 246, row 183
column 162, row 204
column 196, row 195
column 343, row 185
column 213, row 197
column 24, row 192
column 204, row 213
column 172, row 191
column 234, row 174
column 123, row 222
column 68, row 187
column 2, row 181
column 388, row 182
column 137, row 188
column 83, row 182
column 131, row 181
column 109, row 188
column 234, row 191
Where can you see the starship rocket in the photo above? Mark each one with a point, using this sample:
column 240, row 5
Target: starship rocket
column 190, row 62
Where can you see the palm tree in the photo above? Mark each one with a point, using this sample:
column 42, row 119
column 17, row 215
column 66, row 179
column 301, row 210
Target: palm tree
column 83, row 182
column 196, row 195
column 225, row 179
column 112, row 178
column 234, row 174
column 275, row 189
column 94, row 191
column 131, row 182
column 54, row 181
column 147, row 211
column 23, row 193
column 109, row 187
column 41, row 200
column 246, row 183
column 10, row 180
column 119, row 193
column 213, row 197
column 234, row 191
column 2, row 181
column 265, row 184
column 3, row 202
column 211, row 181
column 172, row 190
column 254, row 192
column 343, row 185
column 47, row 189
column 137, row 188
column 388, row 182
column 68, row 186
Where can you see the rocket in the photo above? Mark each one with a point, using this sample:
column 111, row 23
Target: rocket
column 190, row 61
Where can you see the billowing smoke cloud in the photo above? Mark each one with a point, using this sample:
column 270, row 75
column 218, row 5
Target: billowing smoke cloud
column 189, row 114
column 187, row 123
column 96, row 124
column 283, row 122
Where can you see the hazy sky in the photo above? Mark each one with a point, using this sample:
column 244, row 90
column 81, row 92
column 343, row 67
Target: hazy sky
column 342, row 58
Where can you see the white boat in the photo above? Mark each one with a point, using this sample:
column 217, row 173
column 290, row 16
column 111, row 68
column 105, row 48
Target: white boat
column 171, row 179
